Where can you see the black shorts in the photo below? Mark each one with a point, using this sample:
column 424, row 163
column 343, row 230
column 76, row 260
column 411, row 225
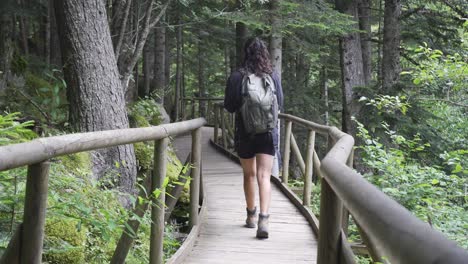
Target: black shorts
column 261, row 143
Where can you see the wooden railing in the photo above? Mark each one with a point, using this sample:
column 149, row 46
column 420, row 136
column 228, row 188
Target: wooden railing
column 27, row 242
column 391, row 233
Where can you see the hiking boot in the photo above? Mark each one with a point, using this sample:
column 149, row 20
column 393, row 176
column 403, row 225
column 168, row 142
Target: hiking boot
column 262, row 231
column 251, row 217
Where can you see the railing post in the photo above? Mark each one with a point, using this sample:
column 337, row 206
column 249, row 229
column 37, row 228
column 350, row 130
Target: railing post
column 309, row 168
column 35, row 205
column 157, row 208
column 345, row 220
column 330, row 223
column 216, row 124
column 287, row 151
column 195, row 175
column 223, row 129
column 193, row 108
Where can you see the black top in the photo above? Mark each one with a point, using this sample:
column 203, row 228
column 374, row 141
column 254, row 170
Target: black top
column 233, row 102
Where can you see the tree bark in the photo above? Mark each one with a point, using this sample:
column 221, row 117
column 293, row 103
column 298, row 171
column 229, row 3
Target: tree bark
column 24, row 29
column 201, row 74
column 55, row 51
column 94, row 89
column 178, row 77
column 6, row 50
column 159, row 81
column 364, row 9
column 168, row 100
column 276, row 38
column 241, row 37
column 391, row 45
column 325, row 95
column 148, row 66
column 352, row 74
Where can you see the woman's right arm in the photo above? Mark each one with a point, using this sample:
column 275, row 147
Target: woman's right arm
column 232, row 94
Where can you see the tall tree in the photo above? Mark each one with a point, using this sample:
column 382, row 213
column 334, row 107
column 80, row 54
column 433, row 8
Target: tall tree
column 6, row 44
column 148, row 66
column 241, row 37
column 201, row 72
column 94, row 89
column 364, row 8
column 352, row 73
column 178, row 77
column 391, row 45
column 276, row 38
column 159, row 81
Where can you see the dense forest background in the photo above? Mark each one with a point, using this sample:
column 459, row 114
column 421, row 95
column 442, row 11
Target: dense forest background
column 393, row 73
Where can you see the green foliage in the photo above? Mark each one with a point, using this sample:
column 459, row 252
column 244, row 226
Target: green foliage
column 386, row 103
column 438, row 73
column 12, row 131
column 144, row 113
column 51, row 95
column 84, row 221
column 19, row 64
column 430, row 193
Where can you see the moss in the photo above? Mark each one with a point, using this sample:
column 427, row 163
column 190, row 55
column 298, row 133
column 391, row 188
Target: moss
column 79, row 163
column 144, row 155
column 64, row 242
column 144, row 113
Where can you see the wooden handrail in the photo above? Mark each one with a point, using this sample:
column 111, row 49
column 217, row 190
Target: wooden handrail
column 35, row 151
column 392, row 232
column 27, row 243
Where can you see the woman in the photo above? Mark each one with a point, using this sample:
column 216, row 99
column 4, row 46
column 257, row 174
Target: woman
column 255, row 152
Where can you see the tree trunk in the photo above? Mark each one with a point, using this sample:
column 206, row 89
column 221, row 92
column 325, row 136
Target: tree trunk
column 6, row 51
column 47, row 37
column 159, row 81
column 24, row 28
column 379, row 46
column 55, row 51
column 149, row 21
column 325, row 95
column 364, row 9
column 178, row 77
column 241, row 37
column 352, row 74
column 94, row 89
column 391, row 45
column 148, row 66
column 168, row 100
column 276, row 38
column 201, row 74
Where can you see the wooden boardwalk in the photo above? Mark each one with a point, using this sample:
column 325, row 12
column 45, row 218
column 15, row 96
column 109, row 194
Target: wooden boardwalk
column 223, row 238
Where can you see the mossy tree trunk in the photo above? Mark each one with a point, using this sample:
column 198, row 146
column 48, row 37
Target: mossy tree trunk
column 95, row 91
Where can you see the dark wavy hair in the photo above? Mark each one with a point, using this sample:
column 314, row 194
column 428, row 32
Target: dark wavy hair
column 257, row 57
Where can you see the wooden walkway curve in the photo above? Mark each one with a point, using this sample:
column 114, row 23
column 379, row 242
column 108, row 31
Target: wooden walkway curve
column 223, row 238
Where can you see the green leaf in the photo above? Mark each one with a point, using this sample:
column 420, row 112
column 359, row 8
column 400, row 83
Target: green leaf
column 434, row 182
column 458, row 168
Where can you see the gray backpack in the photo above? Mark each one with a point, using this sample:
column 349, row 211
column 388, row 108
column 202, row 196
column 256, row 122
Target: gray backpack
column 259, row 110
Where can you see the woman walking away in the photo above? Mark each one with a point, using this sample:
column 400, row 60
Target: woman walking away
column 254, row 92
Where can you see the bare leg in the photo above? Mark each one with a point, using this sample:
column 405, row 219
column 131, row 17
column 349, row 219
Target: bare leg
column 264, row 166
column 249, row 169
